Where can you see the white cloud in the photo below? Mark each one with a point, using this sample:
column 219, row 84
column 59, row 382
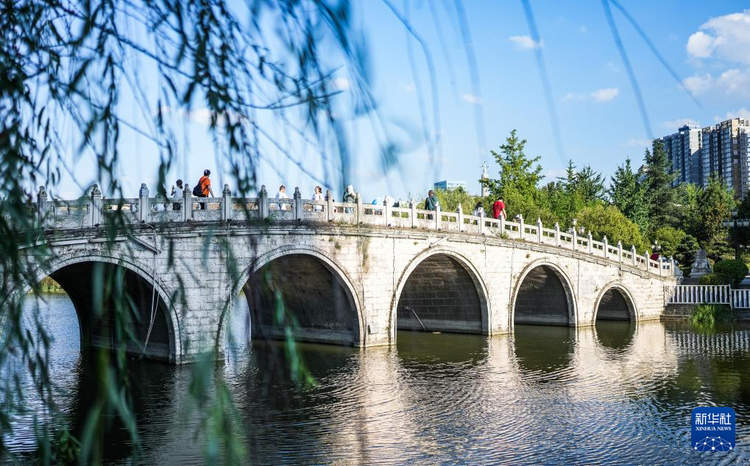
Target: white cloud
column 583, row 29
column 731, row 81
column 743, row 112
column 342, row 84
column 571, row 96
column 612, row 67
column 472, row 99
column 726, row 37
column 635, row 142
column 605, row 95
column 526, row 42
column 675, row 124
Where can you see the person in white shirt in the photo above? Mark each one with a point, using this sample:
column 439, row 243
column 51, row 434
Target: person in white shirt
column 318, row 197
column 177, row 194
column 282, row 195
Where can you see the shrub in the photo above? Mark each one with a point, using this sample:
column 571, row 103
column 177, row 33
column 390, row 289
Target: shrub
column 709, row 314
column 715, row 279
column 735, row 269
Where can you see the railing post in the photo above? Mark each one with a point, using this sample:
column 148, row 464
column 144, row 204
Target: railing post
column 659, row 263
column 502, row 223
column 263, row 205
column 521, row 227
column 671, row 265
column 619, row 252
column 590, row 240
column 575, row 238
column 438, row 217
column 460, row 212
column 360, row 210
column 41, row 207
column 297, row 204
column 226, row 204
column 95, row 206
column 539, row 230
column 413, row 213
column 634, row 255
column 648, row 258
column 481, row 222
column 144, row 210
column 557, row 234
column 387, row 211
column 606, row 246
column 187, row 204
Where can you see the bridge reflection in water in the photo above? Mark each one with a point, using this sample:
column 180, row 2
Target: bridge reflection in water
column 573, row 394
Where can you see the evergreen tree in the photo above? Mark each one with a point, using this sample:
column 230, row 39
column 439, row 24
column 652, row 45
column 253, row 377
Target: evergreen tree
column 630, row 196
column 590, row 185
column 715, row 205
column 660, row 195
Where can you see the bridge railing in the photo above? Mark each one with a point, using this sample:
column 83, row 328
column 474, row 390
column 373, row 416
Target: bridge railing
column 93, row 210
column 698, row 294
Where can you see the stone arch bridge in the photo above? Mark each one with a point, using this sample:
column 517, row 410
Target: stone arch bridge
column 349, row 274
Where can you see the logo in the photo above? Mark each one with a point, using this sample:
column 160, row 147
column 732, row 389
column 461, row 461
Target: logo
column 713, row 429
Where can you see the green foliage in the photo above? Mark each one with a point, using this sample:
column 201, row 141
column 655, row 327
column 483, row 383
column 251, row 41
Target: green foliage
column 450, row 199
column 630, row 196
column 715, row 205
column 715, row 279
column 743, row 209
column 686, row 250
column 735, row 269
column 669, row 239
column 709, row 314
column 610, row 222
column 660, row 195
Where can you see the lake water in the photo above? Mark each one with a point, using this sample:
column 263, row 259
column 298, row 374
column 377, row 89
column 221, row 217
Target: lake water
column 618, row 393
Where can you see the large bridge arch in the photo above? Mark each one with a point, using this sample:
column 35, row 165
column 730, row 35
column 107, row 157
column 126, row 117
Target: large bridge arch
column 615, row 302
column 469, row 280
column 318, row 261
column 164, row 343
column 543, row 284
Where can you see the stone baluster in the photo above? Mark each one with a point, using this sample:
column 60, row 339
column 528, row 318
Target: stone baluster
column 634, row 253
column 264, row 208
column 575, row 238
column 297, row 196
column 521, row 227
column 539, row 230
column 590, row 240
column 438, row 217
column 671, row 265
column 557, row 234
column 606, row 246
column 41, row 207
column 502, row 223
column 360, row 210
column 648, row 258
column 226, row 204
column 387, row 212
column 144, row 209
column 460, row 213
column 330, row 210
column 187, row 204
column 413, row 213
column 95, row 206
column 482, row 220
column 619, row 252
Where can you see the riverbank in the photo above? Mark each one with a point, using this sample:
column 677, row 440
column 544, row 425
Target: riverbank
column 49, row 286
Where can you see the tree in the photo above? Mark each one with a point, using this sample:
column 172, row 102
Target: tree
column 629, row 196
column 685, row 254
column 660, row 195
column 669, row 239
column 450, row 199
column 715, row 205
column 589, row 184
column 608, row 221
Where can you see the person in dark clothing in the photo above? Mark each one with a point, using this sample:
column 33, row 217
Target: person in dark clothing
column 431, row 203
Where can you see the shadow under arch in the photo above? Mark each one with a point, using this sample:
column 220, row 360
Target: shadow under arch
column 83, row 278
column 445, row 291
column 543, row 296
column 545, row 348
column 320, row 304
column 615, row 317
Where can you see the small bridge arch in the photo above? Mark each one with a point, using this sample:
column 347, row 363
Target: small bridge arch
column 615, row 303
column 543, row 295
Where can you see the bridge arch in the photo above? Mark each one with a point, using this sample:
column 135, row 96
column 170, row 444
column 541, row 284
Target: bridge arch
column 165, row 342
column 345, row 294
column 468, row 286
column 615, row 302
column 556, row 299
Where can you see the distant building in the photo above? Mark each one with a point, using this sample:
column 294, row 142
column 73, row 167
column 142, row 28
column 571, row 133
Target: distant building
column 683, row 150
column 725, row 154
column 449, row 185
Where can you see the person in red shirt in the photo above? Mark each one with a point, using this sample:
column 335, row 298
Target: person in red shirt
column 498, row 208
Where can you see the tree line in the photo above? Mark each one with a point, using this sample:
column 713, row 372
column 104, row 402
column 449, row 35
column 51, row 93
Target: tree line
column 640, row 207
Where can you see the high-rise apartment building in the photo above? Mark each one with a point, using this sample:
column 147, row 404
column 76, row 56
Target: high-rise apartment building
column 724, row 156
column 684, row 154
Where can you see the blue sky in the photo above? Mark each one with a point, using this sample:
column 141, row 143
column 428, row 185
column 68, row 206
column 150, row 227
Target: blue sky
column 707, row 44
